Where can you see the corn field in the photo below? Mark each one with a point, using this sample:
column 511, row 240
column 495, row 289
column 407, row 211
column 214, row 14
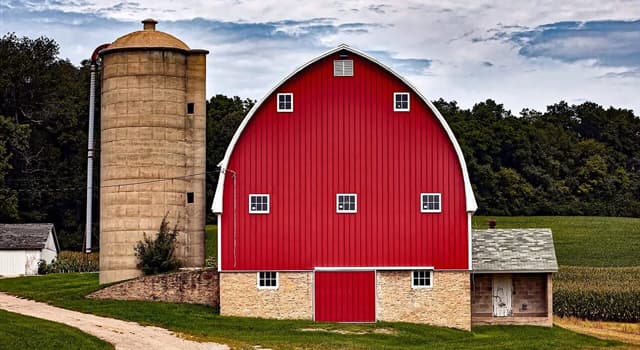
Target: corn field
column 71, row 262
column 598, row 293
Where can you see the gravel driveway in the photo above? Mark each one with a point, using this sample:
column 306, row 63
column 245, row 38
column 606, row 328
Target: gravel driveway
column 124, row 335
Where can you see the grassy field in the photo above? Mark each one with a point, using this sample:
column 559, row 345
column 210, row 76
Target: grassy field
column 202, row 323
column 23, row 332
column 583, row 241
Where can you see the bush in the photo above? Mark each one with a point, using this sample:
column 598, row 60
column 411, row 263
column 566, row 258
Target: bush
column 157, row 255
column 71, row 262
column 598, row 294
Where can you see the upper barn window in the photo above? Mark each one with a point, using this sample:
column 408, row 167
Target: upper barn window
column 346, row 203
column 400, row 101
column 285, row 102
column 343, row 68
column 258, row 204
column 430, row 203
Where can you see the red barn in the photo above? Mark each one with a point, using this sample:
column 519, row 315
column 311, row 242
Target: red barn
column 344, row 196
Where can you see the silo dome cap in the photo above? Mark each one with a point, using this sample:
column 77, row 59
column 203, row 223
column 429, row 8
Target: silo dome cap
column 149, row 24
column 148, row 38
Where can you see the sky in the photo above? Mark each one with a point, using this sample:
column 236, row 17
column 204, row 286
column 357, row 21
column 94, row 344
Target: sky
column 523, row 54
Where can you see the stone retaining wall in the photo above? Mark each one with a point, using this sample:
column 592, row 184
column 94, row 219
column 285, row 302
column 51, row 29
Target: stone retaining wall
column 200, row 286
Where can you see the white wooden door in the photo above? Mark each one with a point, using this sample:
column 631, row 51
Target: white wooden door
column 502, row 296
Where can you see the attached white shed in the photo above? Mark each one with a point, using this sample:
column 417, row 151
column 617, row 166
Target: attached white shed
column 22, row 246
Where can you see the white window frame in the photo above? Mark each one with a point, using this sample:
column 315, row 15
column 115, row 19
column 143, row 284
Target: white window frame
column 422, row 210
column 395, row 109
column 278, row 102
column 414, row 286
column 345, row 211
column 260, row 211
column 342, row 63
column 267, row 287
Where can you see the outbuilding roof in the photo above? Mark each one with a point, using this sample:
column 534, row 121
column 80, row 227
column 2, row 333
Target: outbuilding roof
column 514, row 250
column 25, row 236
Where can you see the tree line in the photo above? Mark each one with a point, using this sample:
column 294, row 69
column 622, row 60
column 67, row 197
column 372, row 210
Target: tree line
column 569, row 160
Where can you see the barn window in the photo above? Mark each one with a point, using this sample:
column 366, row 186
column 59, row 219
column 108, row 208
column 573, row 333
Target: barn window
column 259, row 204
column 343, row 68
column 400, row 101
column 430, row 203
column 285, row 102
column 267, row 280
column 421, row 279
column 346, row 203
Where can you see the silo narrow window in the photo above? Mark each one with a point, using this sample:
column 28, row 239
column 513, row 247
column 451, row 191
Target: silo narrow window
column 190, row 108
column 190, row 197
column 285, row 102
column 400, row 101
column 343, row 68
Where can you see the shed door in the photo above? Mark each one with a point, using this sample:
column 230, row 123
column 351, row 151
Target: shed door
column 345, row 296
column 502, row 296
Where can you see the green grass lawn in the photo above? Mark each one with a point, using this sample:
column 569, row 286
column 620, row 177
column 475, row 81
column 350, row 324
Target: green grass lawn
column 67, row 290
column 583, row 240
column 24, row 332
column 211, row 240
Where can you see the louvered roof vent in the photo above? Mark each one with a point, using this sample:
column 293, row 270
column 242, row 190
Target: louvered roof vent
column 343, row 68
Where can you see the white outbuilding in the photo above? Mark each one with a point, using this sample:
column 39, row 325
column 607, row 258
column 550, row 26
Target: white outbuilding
column 22, row 246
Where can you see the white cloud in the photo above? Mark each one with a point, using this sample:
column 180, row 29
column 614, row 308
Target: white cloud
column 247, row 57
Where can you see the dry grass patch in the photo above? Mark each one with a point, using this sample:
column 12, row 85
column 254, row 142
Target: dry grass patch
column 625, row 332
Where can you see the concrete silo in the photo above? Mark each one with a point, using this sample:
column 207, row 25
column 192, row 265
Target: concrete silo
column 152, row 147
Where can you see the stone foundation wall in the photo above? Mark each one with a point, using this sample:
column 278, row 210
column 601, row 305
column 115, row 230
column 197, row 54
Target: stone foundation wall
column 191, row 287
column 447, row 303
column 293, row 299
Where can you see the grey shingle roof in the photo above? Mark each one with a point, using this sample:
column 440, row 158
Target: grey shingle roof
column 501, row 250
column 24, row 236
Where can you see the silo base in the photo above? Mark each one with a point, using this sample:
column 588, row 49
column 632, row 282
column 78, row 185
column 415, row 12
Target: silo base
column 118, row 275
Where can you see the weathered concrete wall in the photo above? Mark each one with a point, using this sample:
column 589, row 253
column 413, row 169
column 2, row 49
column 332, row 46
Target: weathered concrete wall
column 534, row 290
column 293, row 299
column 446, row 304
column 530, row 290
column 192, row 287
column 482, row 295
column 147, row 136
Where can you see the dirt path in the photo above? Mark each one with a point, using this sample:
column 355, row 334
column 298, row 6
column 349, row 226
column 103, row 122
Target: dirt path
column 124, row 335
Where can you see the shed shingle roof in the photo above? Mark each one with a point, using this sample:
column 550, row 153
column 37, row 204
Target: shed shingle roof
column 24, row 236
column 514, row 250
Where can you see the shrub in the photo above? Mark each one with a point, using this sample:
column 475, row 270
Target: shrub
column 598, row 293
column 210, row 261
column 156, row 255
column 70, row 262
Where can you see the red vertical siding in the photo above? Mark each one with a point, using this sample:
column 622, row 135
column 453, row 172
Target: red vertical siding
column 345, row 296
column 344, row 137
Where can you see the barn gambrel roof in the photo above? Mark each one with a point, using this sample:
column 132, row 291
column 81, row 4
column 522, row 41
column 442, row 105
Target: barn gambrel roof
column 514, row 250
column 25, row 236
column 470, row 204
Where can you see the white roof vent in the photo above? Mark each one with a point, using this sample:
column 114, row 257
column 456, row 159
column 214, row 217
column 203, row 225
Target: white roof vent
column 343, row 68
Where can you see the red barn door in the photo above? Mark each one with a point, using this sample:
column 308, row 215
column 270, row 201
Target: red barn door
column 345, row 296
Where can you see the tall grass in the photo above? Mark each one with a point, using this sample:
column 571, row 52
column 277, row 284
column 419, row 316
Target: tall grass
column 71, row 262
